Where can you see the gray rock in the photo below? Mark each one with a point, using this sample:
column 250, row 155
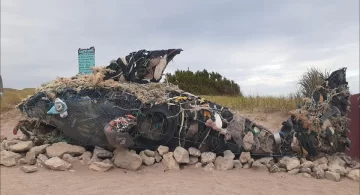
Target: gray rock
column 22, row 146
column 259, row 166
column 320, row 161
column 222, row 163
column 127, row 160
column 324, row 167
column 237, row 164
column 85, row 158
column 194, row 152
column 149, row 153
column 170, row 162
column 7, row 143
column 61, row 148
column 41, row 159
column 2, row 138
column 247, row 166
column 2, row 147
column 336, row 160
column 229, row 155
column 102, row 153
column 39, row 149
column 132, row 151
column 266, row 160
column 181, row 155
column 22, row 161
column 146, row 159
column 198, row 165
column 193, row 160
column 8, row 158
column 28, row 169
column 248, row 140
column 163, row 150
column 100, row 166
column 157, row 156
column 292, row 163
column 57, row 164
column 209, row 167
column 306, row 175
column 30, row 157
column 208, row 157
column 275, row 168
column 293, row 171
column 68, row 158
column 307, row 164
column 244, row 157
column 332, row 176
column 318, row 172
column 94, row 158
column 336, row 168
column 305, row 170
column 354, row 174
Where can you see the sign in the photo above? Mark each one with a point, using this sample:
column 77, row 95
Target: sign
column 86, row 60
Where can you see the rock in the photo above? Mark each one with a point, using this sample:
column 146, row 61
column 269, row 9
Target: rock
column 131, row 151
column 336, row 160
column 39, row 149
column 157, row 156
column 170, row 162
column 303, row 160
column 22, row 146
column 149, row 153
column 57, row 164
column 8, row 158
column 237, row 164
column 332, row 176
column 22, row 161
column 318, row 172
column 193, row 160
column 307, row 164
column 28, row 169
column 146, row 159
column 30, row 157
column 2, row 147
column 244, row 157
column 108, row 161
column 275, row 168
column 321, row 161
column 163, row 150
column 102, row 153
column 61, row 148
column 41, row 159
column 293, row 171
column 194, row 152
column 248, row 140
column 306, row 175
column 266, row 160
column 94, row 158
column 305, row 170
column 100, row 166
column 127, row 160
column 198, row 165
column 292, row 163
column 258, row 166
column 208, row 157
column 223, row 163
column 354, row 174
column 247, row 166
column 68, row 158
column 7, row 143
column 336, row 168
column 324, row 167
column 229, row 155
column 85, row 158
column 209, row 167
column 23, row 138
column 181, row 155
column 2, row 138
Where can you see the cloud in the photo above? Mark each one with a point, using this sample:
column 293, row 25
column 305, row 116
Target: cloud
column 264, row 46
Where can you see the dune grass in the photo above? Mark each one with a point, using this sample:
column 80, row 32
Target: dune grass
column 12, row 97
column 284, row 104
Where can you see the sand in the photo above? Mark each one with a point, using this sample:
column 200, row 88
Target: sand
column 154, row 180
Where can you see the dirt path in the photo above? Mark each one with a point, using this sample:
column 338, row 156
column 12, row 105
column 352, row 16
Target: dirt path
column 153, row 180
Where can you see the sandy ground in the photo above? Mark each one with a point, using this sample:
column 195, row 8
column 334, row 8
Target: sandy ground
column 154, row 180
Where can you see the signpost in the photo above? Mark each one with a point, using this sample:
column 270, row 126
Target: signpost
column 86, row 60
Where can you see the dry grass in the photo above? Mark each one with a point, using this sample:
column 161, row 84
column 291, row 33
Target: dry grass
column 257, row 103
column 12, row 97
column 284, row 104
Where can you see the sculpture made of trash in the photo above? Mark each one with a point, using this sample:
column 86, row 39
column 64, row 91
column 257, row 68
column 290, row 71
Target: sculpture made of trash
column 109, row 110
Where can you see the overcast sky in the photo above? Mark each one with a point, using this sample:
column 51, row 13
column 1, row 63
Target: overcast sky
column 262, row 45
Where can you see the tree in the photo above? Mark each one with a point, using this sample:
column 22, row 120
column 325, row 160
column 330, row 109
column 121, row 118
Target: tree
column 204, row 83
column 310, row 80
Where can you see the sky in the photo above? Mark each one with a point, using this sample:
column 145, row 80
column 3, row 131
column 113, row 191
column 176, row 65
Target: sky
column 264, row 46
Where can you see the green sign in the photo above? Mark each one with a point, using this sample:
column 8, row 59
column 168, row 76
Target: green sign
column 86, row 60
